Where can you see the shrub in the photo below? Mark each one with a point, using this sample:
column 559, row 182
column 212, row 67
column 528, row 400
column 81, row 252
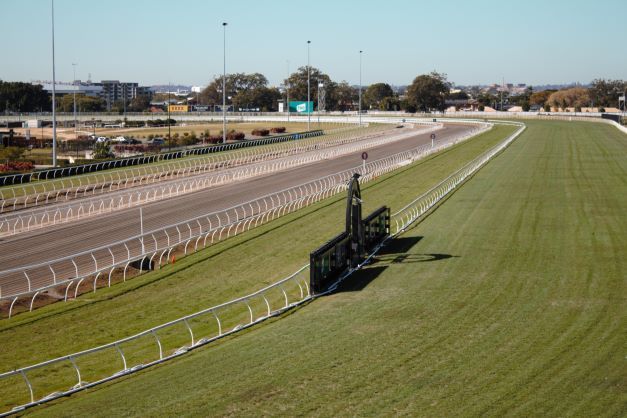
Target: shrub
column 278, row 130
column 214, row 139
column 11, row 153
column 188, row 140
column 261, row 132
column 235, row 136
column 20, row 166
column 130, row 148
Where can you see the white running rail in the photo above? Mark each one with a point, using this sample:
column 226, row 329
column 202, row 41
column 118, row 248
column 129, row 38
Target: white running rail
column 155, row 247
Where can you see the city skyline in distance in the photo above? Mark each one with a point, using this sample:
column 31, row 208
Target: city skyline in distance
column 479, row 43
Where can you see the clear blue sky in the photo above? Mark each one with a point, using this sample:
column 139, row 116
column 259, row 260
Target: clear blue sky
column 180, row 41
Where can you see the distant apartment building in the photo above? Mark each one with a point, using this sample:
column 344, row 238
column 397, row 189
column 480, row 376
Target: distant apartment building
column 110, row 91
column 88, row 89
column 114, row 90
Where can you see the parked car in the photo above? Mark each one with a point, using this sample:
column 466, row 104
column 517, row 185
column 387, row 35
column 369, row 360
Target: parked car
column 156, row 141
column 102, row 139
column 119, row 139
column 131, row 141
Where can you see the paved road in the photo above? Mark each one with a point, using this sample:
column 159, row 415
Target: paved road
column 67, row 239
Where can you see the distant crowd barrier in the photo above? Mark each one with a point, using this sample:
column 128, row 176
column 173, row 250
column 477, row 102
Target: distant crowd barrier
column 47, row 191
column 75, row 170
column 21, row 221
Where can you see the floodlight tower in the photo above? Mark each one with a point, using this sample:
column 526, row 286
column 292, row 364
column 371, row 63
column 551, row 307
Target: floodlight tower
column 321, row 100
column 308, row 89
column 224, row 83
column 74, row 94
column 287, row 89
column 360, row 52
column 54, row 101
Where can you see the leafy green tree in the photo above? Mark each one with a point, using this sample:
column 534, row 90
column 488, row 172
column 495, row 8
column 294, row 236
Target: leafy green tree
column 238, row 83
column 11, row 153
column 408, row 106
column 138, row 104
column 264, row 98
column 297, row 83
column 576, row 97
column 540, row 98
column 606, row 92
column 428, row 92
column 375, row 94
column 83, row 103
column 23, row 97
column 460, row 95
column 102, row 151
column 390, row 103
column 345, row 97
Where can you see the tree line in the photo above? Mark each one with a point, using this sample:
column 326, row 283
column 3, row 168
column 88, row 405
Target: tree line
column 427, row 92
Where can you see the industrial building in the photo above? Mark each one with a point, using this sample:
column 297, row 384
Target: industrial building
column 108, row 90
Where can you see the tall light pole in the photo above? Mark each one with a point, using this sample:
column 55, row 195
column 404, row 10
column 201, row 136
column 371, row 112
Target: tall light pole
column 224, row 84
column 287, row 86
column 360, row 52
column 74, row 94
column 308, row 89
column 54, row 102
column 169, row 129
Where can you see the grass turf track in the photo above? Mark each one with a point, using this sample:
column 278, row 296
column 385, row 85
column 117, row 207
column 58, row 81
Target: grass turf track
column 508, row 299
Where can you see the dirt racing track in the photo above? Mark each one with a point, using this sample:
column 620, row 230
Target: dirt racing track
column 86, row 250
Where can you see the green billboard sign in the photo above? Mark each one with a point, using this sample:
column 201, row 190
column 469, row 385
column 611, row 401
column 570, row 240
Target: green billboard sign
column 301, row 107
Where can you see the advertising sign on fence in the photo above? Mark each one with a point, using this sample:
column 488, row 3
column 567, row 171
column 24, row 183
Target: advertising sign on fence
column 301, row 107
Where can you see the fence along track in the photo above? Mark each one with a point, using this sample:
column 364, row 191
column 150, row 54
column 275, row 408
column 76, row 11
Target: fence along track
column 21, row 221
column 155, row 247
column 58, row 173
column 34, row 194
column 402, row 219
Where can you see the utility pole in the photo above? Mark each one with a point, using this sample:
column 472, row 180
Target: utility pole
column 54, row 102
column 74, row 93
column 169, row 129
column 360, row 52
column 224, row 83
column 308, row 89
column 502, row 88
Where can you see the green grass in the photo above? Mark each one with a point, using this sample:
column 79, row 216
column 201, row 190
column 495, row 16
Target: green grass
column 521, row 313
column 227, row 270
